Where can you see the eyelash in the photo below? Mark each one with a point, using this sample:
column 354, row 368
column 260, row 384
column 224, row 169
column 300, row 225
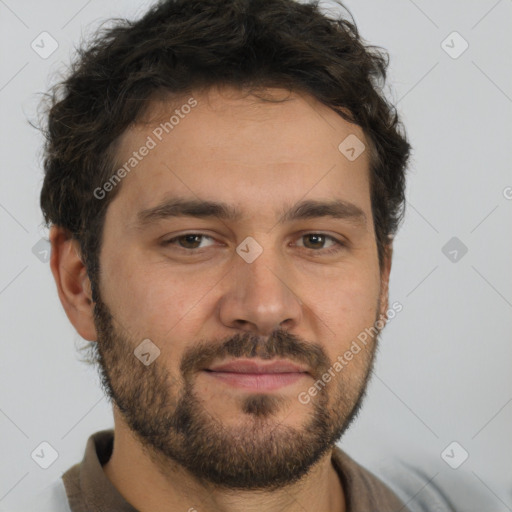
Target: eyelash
column 339, row 246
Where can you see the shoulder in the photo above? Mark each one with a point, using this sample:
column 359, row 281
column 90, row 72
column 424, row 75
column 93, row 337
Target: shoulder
column 363, row 489
column 432, row 488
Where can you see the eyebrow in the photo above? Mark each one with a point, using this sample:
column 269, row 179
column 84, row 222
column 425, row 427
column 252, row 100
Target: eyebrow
column 308, row 209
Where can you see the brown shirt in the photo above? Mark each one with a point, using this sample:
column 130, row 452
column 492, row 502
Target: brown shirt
column 89, row 490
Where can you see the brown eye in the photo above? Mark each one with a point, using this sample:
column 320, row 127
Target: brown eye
column 316, row 241
column 188, row 241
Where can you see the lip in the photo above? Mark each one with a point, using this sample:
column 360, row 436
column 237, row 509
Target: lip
column 257, row 376
column 245, row 366
column 256, row 381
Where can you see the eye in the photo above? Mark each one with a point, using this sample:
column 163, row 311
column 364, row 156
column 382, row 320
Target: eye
column 319, row 239
column 187, row 241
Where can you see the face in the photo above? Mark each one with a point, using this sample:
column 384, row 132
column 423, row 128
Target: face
column 254, row 278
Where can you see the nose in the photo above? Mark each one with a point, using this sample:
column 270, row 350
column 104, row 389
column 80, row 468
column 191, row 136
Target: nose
column 260, row 296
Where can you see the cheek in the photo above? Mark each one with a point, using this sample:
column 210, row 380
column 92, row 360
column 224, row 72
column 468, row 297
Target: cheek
column 346, row 305
column 157, row 301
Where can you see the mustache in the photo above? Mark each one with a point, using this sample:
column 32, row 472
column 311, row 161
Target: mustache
column 280, row 344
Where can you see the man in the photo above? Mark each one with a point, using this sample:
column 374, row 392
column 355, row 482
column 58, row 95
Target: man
column 223, row 180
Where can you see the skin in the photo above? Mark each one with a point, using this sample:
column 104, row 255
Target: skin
column 293, row 302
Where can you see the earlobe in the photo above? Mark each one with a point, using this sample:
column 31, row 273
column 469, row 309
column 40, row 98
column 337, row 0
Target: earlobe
column 73, row 284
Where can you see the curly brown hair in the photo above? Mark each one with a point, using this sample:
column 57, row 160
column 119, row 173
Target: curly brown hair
column 183, row 45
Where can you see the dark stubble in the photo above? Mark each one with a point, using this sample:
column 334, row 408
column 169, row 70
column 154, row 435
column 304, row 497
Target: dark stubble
column 259, row 453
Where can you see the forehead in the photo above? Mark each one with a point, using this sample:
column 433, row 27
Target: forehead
column 223, row 145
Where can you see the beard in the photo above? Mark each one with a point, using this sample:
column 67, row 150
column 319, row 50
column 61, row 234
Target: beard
column 173, row 426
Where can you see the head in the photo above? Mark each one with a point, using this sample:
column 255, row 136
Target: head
column 178, row 151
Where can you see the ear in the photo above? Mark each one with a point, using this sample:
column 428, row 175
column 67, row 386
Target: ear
column 73, row 284
column 384, row 279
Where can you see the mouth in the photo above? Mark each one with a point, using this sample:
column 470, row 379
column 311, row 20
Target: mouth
column 257, row 376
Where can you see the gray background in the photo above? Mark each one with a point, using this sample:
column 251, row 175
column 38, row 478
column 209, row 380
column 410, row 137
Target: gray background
column 443, row 370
